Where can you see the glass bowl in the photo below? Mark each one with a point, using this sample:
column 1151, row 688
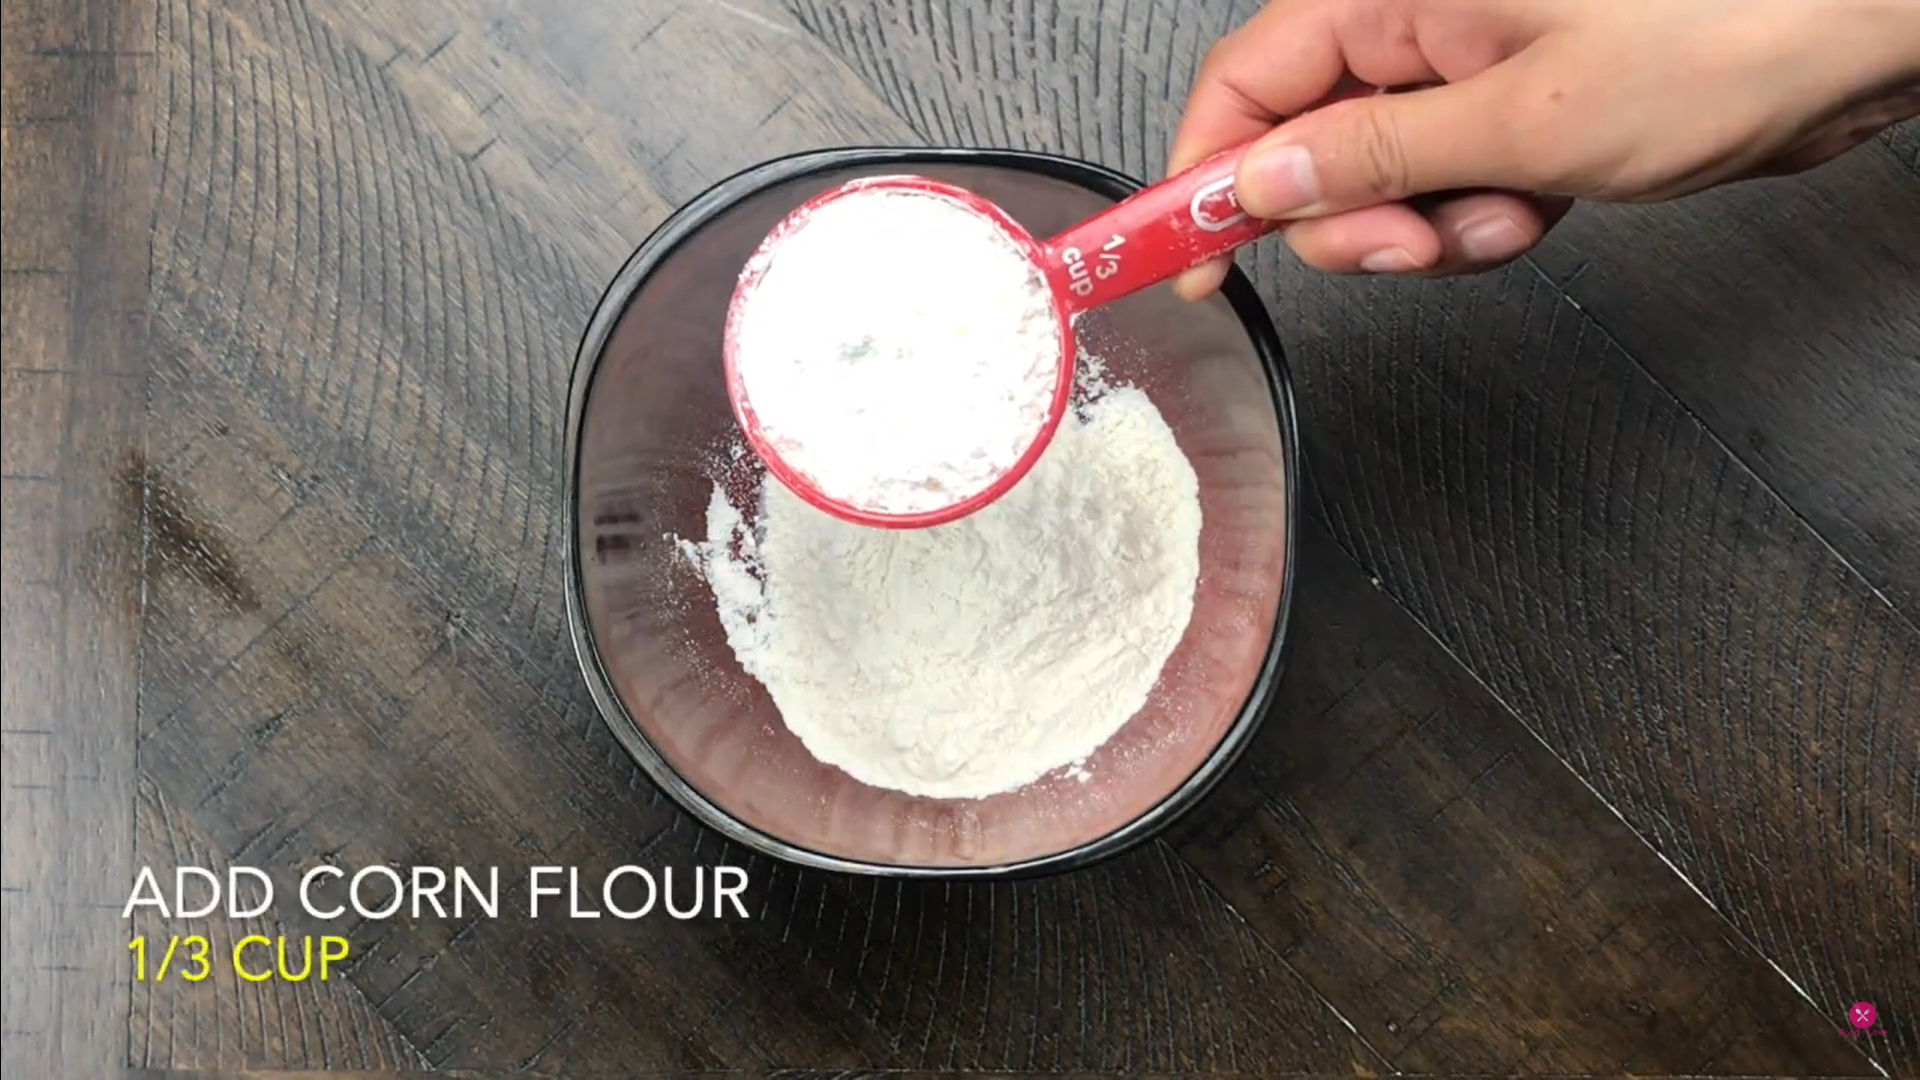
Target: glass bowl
column 648, row 425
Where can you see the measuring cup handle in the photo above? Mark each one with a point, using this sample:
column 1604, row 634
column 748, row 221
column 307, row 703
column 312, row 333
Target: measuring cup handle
column 1153, row 235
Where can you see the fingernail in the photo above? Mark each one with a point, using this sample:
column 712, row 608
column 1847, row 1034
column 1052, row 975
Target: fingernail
column 1388, row 261
column 1492, row 239
column 1278, row 180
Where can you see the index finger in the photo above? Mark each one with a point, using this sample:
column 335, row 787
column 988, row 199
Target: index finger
column 1277, row 64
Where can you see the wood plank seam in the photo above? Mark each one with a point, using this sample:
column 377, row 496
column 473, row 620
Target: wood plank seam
column 865, row 38
column 1559, row 287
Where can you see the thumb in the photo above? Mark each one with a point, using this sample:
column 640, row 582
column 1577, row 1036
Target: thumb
column 1385, row 148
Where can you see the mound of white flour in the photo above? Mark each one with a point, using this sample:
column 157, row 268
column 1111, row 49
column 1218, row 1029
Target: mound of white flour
column 972, row 658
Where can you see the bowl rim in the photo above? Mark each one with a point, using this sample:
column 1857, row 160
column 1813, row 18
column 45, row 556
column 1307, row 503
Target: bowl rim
column 1241, row 296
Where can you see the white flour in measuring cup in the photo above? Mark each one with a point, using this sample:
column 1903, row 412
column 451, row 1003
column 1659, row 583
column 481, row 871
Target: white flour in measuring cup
column 900, row 351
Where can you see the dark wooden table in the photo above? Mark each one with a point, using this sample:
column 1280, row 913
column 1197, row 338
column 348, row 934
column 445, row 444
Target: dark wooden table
column 1599, row 752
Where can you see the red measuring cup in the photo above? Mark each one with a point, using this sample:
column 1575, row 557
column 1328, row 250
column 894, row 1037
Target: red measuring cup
column 1151, row 236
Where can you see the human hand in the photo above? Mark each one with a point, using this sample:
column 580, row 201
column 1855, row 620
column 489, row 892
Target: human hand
column 1515, row 108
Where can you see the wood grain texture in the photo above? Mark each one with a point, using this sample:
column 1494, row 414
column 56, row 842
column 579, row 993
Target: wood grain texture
column 1565, row 628
column 1904, row 141
column 355, row 648
column 1456, row 893
column 711, row 1075
column 1783, row 316
column 265, row 1023
column 1672, row 627
column 1661, row 618
column 75, row 195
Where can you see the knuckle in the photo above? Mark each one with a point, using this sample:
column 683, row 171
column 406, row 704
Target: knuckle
column 1379, row 155
column 1216, row 72
column 1210, row 60
column 1212, row 64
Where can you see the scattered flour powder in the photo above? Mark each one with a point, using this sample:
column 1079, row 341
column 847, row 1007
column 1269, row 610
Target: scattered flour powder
column 898, row 350
column 972, row 658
